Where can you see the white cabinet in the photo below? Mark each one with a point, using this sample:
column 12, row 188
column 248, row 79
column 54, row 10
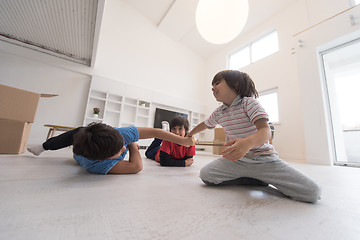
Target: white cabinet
column 117, row 110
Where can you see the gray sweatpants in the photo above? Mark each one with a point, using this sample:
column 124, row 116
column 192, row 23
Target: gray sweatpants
column 269, row 169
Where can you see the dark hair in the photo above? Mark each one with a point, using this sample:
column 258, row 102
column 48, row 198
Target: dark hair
column 97, row 141
column 180, row 121
column 240, row 82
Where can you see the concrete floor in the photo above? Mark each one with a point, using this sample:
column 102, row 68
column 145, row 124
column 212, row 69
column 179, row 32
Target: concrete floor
column 51, row 197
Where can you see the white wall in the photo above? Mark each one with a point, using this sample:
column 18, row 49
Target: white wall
column 301, row 128
column 130, row 50
column 316, row 121
column 67, row 109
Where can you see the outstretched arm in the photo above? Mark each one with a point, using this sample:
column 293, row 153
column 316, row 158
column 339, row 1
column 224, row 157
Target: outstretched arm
column 199, row 128
column 134, row 165
column 145, row 132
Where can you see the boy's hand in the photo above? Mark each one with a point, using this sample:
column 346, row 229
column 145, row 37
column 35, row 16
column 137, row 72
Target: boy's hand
column 189, row 161
column 189, row 141
column 238, row 148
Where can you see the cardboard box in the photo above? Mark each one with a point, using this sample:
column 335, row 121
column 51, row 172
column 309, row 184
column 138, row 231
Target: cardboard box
column 219, row 134
column 18, row 110
column 17, row 104
column 218, row 149
column 14, row 136
column 219, row 138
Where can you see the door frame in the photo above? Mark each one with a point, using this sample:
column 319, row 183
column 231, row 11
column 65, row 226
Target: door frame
column 321, row 50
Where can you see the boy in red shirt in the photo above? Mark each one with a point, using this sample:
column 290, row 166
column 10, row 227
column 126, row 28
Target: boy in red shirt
column 169, row 153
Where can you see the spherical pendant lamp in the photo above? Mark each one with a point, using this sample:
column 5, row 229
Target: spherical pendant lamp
column 220, row 21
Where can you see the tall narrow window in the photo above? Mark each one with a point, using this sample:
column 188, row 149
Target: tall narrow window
column 269, row 101
column 265, row 46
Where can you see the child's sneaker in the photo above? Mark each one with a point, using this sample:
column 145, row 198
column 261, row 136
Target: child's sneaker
column 165, row 126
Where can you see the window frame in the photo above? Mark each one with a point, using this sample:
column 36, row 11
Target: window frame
column 249, row 45
column 270, row 91
column 353, row 3
column 237, row 51
column 262, row 38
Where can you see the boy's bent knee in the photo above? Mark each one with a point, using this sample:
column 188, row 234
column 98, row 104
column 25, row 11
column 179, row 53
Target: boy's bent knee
column 208, row 176
column 314, row 195
column 204, row 174
column 208, row 183
column 311, row 196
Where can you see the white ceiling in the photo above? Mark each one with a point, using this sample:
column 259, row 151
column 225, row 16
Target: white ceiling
column 68, row 28
column 63, row 28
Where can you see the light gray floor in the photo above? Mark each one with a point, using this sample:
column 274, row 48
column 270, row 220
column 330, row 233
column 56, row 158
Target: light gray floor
column 50, row 197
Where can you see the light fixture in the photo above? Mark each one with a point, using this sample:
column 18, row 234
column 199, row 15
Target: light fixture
column 220, row 21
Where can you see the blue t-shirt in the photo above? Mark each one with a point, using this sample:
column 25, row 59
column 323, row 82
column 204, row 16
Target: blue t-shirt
column 130, row 135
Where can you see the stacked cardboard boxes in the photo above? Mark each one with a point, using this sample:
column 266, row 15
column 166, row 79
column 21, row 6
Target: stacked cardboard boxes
column 17, row 112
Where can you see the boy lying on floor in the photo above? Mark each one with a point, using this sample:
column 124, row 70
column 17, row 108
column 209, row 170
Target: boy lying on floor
column 101, row 149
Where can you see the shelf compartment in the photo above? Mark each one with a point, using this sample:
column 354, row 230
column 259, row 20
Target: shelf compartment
column 97, row 95
column 129, row 114
column 127, row 124
column 130, row 105
column 114, row 98
column 144, row 104
column 143, row 111
column 89, row 120
column 112, row 118
column 131, row 101
column 113, row 106
column 95, row 103
column 142, row 122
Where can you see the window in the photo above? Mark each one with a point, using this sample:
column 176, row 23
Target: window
column 265, row 46
column 354, row 2
column 269, row 101
column 255, row 51
column 240, row 59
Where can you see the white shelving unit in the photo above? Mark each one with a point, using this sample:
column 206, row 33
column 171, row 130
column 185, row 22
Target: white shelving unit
column 195, row 119
column 117, row 110
column 123, row 105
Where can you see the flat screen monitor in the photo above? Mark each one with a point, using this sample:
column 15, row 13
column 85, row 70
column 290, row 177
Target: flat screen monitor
column 165, row 115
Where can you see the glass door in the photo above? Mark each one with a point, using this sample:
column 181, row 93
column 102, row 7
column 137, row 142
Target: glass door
column 342, row 79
